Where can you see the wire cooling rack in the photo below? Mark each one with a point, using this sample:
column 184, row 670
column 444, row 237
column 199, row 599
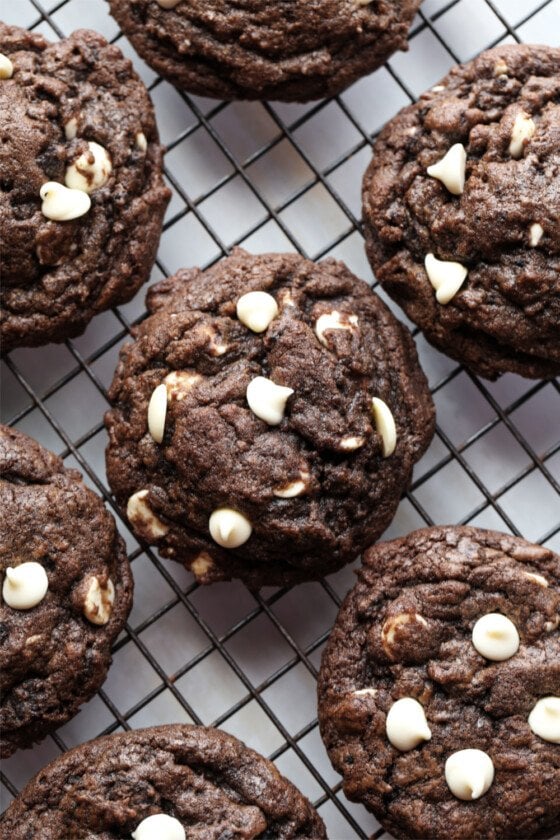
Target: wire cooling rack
column 279, row 177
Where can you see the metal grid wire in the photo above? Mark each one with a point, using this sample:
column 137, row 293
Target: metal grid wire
column 279, row 177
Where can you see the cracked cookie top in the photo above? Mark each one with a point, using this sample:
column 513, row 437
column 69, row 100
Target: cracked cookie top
column 66, row 591
column 260, row 50
column 266, row 418
column 439, row 690
column 81, row 190
column 204, row 783
column 461, row 210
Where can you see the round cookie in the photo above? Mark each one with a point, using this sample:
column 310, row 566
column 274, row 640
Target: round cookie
column 248, row 50
column 82, row 195
column 66, row 589
column 206, row 782
column 265, row 436
column 461, row 207
column 439, row 689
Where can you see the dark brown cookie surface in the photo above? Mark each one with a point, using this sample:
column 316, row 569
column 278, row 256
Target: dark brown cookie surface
column 206, row 780
column 503, row 228
column 70, row 593
column 312, row 485
column 406, row 631
column 255, row 50
column 59, row 269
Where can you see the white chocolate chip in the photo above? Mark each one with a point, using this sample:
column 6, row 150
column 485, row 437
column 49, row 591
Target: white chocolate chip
column 293, row 488
column 495, row 637
column 25, row 585
column 539, row 579
column 437, row 88
column 159, row 826
column 215, row 347
column 257, row 310
column 446, row 277
column 535, row 234
column 544, row 719
column 62, row 204
column 140, row 142
column 522, row 131
column 392, row 624
column 365, row 692
column 168, row 4
column 285, row 298
column 469, row 774
column 500, row 68
column 98, row 604
column 229, row 528
column 218, row 349
column 179, row 383
column 549, row 626
column 267, row 400
column 334, row 320
column 157, row 410
column 406, row 724
column 385, row 425
column 33, row 640
column 450, row 170
column 6, row 67
column 71, row 128
column 349, row 444
column 142, row 517
column 201, row 564
column 90, row 171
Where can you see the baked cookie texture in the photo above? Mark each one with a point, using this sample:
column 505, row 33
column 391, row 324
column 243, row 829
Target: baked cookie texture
column 496, row 121
column 60, row 269
column 71, row 594
column 205, row 779
column 289, row 51
column 305, row 490
column 405, row 631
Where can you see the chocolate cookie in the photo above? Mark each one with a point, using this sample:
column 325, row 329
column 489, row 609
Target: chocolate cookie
column 66, row 591
column 193, row 778
column 266, row 419
column 82, row 196
column 462, row 212
column 263, row 50
column 439, row 690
